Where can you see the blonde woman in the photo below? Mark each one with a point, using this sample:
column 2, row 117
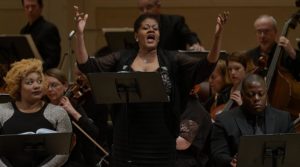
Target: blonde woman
column 28, row 112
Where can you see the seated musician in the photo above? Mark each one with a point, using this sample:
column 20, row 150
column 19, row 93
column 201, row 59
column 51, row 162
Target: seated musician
column 254, row 117
column 84, row 152
column 29, row 113
column 237, row 67
column 266, row 35
column 219, row 85
column 99, row 113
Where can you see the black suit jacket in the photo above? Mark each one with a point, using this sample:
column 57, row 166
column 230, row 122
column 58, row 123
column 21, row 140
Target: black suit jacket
column 229, row 126
column 47, row 40
column 174, row 33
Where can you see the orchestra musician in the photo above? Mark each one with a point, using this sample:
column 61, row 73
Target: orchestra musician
column 219, row 84
column 60, row 93
column 238, row 66
column 44, row 33
column 99, row 113
column 253, row 117
column 266, row 35
column 145, row 133
column 28, row 112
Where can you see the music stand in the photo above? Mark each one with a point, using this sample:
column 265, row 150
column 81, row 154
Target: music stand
column 35, row 144
column 4, row 98
column 17, row 47
column 119, row 38
column 127, row 87
column 203, row 54
column 274, row 150
column 14, row 48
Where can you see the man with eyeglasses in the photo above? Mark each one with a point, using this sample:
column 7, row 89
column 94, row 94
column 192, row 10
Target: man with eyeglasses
column 254, row 117
column 266, row 35
column 174, row 32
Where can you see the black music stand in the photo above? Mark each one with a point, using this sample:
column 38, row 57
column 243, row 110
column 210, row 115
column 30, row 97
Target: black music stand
column 127, row 87
column 274, row 150
column 14, row 48
column 35, row 144
column 4, row 98
column 203, row 54
column 119, row 38
column 17, row 47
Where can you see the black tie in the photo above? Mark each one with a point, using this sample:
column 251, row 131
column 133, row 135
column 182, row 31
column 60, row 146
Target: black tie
column 259, row 125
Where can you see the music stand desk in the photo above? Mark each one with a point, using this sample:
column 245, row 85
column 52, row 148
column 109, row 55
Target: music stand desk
column 50, row 143
column 127, row 87
column 18, row 47
column 273, row 150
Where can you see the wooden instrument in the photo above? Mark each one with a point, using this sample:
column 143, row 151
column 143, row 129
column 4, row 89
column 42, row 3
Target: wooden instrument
column 284, row 93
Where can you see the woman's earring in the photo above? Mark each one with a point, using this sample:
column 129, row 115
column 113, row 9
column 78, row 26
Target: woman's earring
column 137, row 40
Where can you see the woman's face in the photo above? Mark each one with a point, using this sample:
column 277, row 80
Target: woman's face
column 32, row 87
column 55, row 89
column 216, row 81
column 236, row 72
column 148, row 34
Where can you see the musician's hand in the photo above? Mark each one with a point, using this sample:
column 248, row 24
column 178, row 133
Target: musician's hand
column 285, row 43
column 80, row 20
column 66, row 104
column 233, row 162
column 236, row 96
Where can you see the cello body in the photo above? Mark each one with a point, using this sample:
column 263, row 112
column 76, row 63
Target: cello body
column 284, row 93
column 283, row 88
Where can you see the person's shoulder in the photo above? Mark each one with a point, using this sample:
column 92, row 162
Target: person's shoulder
column 54, row 109
column 253, row 52
column 172, row 17
column 228, row 115
column 46, row 22
column 6, row 105
column 278, row 112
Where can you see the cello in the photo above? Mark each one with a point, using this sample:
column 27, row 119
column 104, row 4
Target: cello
column 283, row 88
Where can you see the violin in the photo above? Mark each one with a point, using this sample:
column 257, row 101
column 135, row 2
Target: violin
column 76, row 91
column 201, row 91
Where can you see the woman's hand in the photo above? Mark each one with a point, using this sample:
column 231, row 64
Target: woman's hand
column 236, row 96
column 221, row 21
column 214, row 53
column 80, row 20
column 66, row 104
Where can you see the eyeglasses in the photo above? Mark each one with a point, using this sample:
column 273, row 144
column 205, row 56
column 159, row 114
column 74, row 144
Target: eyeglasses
column 53, row 85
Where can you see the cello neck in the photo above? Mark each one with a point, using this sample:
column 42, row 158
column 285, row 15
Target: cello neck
column 292, row 22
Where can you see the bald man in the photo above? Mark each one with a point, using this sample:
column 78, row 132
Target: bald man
column 174, row 32
column 254, row 117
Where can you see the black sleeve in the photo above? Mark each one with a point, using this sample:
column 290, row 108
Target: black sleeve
column 219, row 145
column 101, row 64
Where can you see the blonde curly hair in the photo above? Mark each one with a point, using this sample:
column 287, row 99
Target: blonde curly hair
column 19, row 70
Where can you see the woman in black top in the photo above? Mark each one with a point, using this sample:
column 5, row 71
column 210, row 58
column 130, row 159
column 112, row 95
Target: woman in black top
column 145, row 133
